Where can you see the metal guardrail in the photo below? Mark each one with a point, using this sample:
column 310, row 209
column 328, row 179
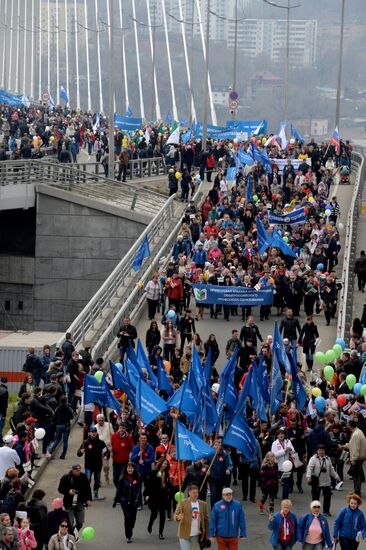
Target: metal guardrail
column 107, row 343
column 346, row 300
column 137, row 168
column 122, row 275
column 39, row 171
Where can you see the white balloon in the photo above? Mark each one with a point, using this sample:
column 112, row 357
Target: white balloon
column 287, row 466
column 340, row 227
column 39, row 433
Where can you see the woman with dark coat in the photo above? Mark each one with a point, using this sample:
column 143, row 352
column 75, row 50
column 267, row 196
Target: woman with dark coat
column 128, row 495
column 153, row 337
column 268, row 478
column 159, row 494
column 37, row 515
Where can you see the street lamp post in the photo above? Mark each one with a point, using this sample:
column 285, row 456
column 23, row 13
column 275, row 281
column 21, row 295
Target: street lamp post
column 340, row 63
column 205, row 95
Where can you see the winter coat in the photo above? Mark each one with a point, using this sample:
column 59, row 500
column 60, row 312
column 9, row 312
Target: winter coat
column 303, row 529
column 348, row 522
column 275, row 527
column 268, row 477
column 128, row 492
column 227, row 519
column 26, row 539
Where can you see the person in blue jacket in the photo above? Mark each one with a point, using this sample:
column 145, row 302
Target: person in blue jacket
column 221, row 467
column 313, row 529
column 227, row 521
column 349, row 522
column 283, row 525
column 143, row 455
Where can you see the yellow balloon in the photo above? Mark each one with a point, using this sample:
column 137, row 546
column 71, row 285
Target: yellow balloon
column 316, row 392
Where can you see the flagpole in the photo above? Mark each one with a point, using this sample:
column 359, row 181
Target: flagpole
column 209, row 468
column 76, row 57
column 101, row 108
column 87, row 54
column 67, row 50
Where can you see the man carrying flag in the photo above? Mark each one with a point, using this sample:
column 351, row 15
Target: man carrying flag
column 193, row 517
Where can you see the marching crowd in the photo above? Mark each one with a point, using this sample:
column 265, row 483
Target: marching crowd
column 219, row 244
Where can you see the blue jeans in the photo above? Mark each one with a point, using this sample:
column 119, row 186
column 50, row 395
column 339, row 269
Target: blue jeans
column 62, row 432
column 96, row 473
column 190, row 544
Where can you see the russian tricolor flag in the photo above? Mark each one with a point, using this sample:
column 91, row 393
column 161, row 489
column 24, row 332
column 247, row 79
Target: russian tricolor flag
column 334, row 140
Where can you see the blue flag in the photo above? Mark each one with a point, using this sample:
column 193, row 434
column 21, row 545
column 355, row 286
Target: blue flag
column 264, row 239
column 295, row 134
column 149, row 405
column 142, row 253
column 243, row 396
column 259, row 156
column 52, row 102
column 183, row 122
column 109, row 400
column 129, row 112
column 132, row 374
column 258, row 401
column 93, row 391
column 189, row 446
column 231, row 173
column 244, row 157
column 184, row 399
column 63, row 94
column 297, row 387
column 279, row 350
column 278, row 242
column 277, row 385
column 208, row 368
column 145, row 363
column 163, row 379
column 249, row 194
column 131, row 355
column 227, row 392
column 169, row 118
column 241, row 437
column 120, row 382
column 263, row 380
column 187, row 136
column 260, row 129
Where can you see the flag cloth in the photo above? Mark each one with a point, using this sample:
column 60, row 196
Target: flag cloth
column 149, row 405
column 174, row 126
column 241, row 437
column 227, row 392
column 109, row 400
column 131, row 356
column 277, row 385
column 279, row 350
column 259, row 156
column 335, row 140
column 147, row 136
column 183, row 122
column 282, row 135
column 187, row 136
column 120, row 382
column 263, row 380
column 258, row 401
column 272, row 140
column 259, row 129
column 93, row 391
column 295, row 134
column 243, row 396
column 129, row 112
column 278, row 242
column 244, row 157
column 263, row 238
column 145, row 363
column 97, row 122
column 52, row 102
column 132, row 374
column 189, row 446
column 231, row 173
column 184, row 399
column 63, row 94
column 249, row 194
column 174, row 137
column 163, row 379
column 169, row 118
column 142, row 253
column 297, row 387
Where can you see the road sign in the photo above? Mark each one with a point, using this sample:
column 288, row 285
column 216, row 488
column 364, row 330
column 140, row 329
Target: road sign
column 233, row 104
column 234, row 96
column 45, row 96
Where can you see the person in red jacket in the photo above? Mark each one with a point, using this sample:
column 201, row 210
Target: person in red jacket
column 175, row 291
column 122, row 445
column 164, row 448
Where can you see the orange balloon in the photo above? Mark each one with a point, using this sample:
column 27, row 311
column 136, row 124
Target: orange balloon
column 167, row 366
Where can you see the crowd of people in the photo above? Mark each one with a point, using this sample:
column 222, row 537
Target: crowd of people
column 218, row 244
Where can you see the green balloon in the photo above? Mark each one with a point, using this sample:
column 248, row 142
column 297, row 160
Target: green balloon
column 320, row 358
column 88, row 533
column 329, row 373
column 351, row 381
column 98, row 375
column 179, row 497
column 337, row 348
column 255, row 198
column 330, row 356
column 363, row 389
column 285, row 239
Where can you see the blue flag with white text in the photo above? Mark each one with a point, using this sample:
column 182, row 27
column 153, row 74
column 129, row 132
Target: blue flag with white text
column 109, row 400
column 93, row 391
column 149, row 405
column 163, row 379
column 297, row 387
column 277, row 386
column 241, row 437
column 145, row 363
column 184, row 399
column 189, row 446
column 120, row 382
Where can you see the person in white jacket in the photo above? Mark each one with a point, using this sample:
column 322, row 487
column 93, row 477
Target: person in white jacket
column 104, row 431
column 282, row 448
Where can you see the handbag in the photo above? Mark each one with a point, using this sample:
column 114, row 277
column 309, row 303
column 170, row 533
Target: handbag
column 353, row 471
column 296, row 460
column 205, row 543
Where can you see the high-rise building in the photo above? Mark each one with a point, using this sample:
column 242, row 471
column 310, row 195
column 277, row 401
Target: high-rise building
column 268, row 37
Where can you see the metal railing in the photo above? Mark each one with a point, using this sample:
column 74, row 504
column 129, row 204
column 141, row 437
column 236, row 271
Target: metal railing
column 122, row 277
column 346, row 299
column 137, row 168
column 70, row 177
column 107, row 342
